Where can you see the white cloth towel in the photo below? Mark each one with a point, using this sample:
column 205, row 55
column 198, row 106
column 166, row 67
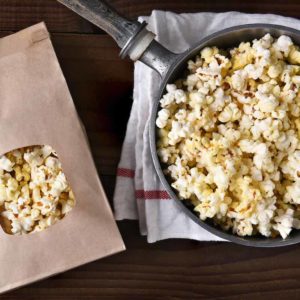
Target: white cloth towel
column 139, row 193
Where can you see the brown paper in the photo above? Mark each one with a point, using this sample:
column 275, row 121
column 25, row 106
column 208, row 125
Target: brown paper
column 36, row 109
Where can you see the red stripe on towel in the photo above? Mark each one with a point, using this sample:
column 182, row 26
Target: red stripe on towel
column 142, row 194
column 123, row 172
column 152, row 195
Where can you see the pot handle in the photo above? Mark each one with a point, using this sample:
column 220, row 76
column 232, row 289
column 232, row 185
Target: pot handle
column 132, row 36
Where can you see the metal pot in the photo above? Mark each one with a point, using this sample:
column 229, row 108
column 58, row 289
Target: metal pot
column 139, row 44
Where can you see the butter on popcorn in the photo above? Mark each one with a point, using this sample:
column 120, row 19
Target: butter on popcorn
column 229, row 135
column 34, row 192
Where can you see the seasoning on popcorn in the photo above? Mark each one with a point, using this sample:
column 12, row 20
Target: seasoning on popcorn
column 229, row 134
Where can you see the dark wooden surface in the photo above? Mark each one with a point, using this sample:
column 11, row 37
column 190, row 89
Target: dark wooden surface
column 101, row 85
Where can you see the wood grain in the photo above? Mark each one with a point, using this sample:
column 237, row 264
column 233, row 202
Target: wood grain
column 177, row 270
column 105, row 17
column 17, row 14
column 101, row 85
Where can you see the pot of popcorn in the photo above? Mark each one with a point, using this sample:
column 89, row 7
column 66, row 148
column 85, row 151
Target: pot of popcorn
column 223, row 132
column 54, row 214
column 226, row 141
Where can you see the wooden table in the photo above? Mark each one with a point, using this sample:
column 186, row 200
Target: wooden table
column 101, row 85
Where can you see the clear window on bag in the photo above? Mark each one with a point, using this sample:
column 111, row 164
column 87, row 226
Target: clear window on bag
column 34, row 191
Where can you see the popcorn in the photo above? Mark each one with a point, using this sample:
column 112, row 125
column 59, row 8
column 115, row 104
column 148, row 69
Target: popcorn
column 52, row 163
column 265, row 212
column 284, row 222
column 243, row 227
column 256, row 174
column 67, row 206
column 261, row 154
column 180, row 96
column 241, row 56
column 230, row 113
column 239, row 80
column 229, row 136
column 267, row 187
column 162, row 119
column 253, row 71
column 283, row 44
column 6, row 164
column 34, row 194
column 274, row 71
column 207, row 54
column 294, row 55
column 219, row 100
column 220, row 178
column 293, row 193
column 266, row 103
column 59, row 185
column 196, row 98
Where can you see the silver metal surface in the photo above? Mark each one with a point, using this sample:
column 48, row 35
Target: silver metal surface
column 133, row 39
column 159, row 58
column 102, row 15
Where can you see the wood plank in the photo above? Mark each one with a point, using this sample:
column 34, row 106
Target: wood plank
column 18, row 14
column 177, row 269
column 134, row 8
column 101, row 86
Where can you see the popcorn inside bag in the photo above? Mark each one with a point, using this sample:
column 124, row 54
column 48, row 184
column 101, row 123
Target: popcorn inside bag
column 34, row 192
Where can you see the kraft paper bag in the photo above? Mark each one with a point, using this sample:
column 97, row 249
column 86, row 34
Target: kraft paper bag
column 36, row 108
